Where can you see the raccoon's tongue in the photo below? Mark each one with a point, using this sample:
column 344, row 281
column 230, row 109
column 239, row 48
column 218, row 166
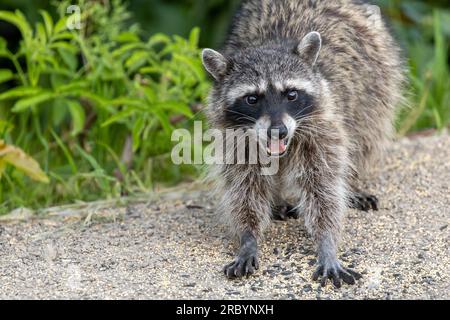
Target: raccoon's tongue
column 276, row 146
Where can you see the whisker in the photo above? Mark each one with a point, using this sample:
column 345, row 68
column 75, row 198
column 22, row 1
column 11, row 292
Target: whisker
column 303, row 110
column 245, row 116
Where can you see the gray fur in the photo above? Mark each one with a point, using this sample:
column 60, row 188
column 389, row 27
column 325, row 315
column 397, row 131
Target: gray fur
column 355, row 69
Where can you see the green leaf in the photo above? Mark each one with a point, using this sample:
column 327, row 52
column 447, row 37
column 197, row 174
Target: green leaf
column 61, row 26
column 139, row 126
column 122, row 115
column 64, row 45
column 159, row 38
column 73, row 86
column 66, row 35
column 48, row 22
column 137, row 59
column 66, row 152
column 78, row 117
column 53, row 63
column 126, row 49
column 95, row 165
column 128, row 102
column 164, row 120
column 194, row 65
column 6, row 75
column 26, row 103
column 174, row 106
column 69, row 58
column 151, row 70
column 5, row 126
column 194, row 38
column 59, row 112
column 41, row 34
column 19, row 92
column 3, row 43
column 3, row 46
column 56, row 79
column 19, row 20
column 127, row 37
column 150, row 94
column 99, row 101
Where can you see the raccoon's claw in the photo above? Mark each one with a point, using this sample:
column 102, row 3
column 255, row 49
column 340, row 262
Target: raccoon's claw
column 336, row 273
column 242, row 267
column 246, row 262
column 284, row 213
column 363, row 201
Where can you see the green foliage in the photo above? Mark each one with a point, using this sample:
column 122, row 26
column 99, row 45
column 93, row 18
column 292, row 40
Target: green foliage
column 424, row 32
column 95, row 107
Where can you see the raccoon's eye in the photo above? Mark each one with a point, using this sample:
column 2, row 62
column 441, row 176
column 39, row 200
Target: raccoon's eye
column 292, row 95
column 252, row 100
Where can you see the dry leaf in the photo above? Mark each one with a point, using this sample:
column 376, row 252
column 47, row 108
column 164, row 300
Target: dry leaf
column 20, row 160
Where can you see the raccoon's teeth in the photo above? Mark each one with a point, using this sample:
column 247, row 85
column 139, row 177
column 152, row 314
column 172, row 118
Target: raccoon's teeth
column 275, row 147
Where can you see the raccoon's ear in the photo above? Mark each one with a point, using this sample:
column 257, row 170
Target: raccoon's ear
column 215, row 63
column 310, row 46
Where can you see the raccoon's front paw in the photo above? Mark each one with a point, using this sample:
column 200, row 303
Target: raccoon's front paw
column 285, row 212
column 336, row 273
column 242, row 266
column 363, row 201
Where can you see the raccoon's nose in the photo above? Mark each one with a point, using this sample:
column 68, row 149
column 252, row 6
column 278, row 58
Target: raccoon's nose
column 279, row 132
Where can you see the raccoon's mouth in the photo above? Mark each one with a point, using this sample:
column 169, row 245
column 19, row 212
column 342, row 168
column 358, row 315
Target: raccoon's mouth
column 277, row 148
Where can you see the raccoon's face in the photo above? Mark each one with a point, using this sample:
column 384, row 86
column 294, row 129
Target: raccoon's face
column 267, row 89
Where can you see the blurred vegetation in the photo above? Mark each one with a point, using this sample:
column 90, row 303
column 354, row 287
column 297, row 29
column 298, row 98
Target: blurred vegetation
column 423, row 28
column 96, row 107
column 88, row 114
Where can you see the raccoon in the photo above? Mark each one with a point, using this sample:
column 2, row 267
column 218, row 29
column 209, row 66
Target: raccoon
column 322, row 79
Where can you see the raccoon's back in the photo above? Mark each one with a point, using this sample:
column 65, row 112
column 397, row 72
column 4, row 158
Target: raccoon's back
column 258, row 22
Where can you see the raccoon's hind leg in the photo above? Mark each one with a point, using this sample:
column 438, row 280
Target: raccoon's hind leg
column 362, row 200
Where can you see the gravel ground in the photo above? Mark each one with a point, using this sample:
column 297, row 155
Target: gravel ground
column 175, row 249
